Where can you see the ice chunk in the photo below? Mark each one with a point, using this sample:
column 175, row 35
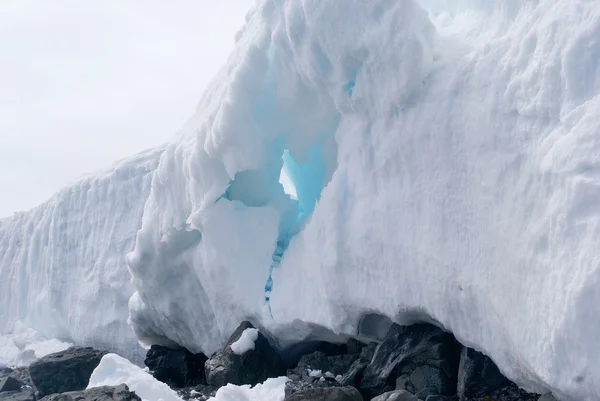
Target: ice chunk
column 114, row 370
column 270, row 390
column 246, row 342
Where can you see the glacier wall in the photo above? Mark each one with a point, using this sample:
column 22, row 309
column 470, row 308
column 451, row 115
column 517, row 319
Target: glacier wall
column 459, row 182
column 62, row 269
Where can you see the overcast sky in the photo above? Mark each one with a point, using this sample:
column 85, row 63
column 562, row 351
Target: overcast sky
column 86, row 83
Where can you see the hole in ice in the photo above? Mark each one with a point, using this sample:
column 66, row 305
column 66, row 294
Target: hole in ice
column 374, row 326
column 288, row 185
column 291, row 185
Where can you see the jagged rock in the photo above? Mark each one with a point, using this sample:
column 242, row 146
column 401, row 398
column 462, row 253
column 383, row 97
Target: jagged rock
column 327, row 394
column 9, row 383
column 253, row 367
column 336, row 364
column 26, row 395
column 396, row 395
column 292, row 386
column 478, row 375
column 69, row 370
column 425, row 355
column 200, row 392
column 547, row 397
column 105, row 393
column 479, row 378
column 354, row 374
column 176, row 367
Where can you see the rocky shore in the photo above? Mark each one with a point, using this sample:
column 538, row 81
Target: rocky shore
column 419, row 362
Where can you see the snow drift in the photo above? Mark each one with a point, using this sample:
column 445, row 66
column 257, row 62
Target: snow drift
column 446, row 166
column 62, row 269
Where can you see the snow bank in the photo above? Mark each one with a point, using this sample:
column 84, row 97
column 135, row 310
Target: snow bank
column 270, row 390
column 246, row 342
column 445, row 160
column 25, row 345
column 62, row 269
column 114, row 370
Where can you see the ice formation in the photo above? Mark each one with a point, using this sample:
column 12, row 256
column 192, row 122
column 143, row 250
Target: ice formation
column 441, row 163
column 245, row 342
column 114, row 370
column 444, row 157
column 270, row 390
column 62, row 269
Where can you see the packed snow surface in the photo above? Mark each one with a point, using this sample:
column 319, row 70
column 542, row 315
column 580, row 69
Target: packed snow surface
column 25, row 345
column 114, row 370
column 270, row 390
column 446, row 164
column 62, row 269
column 246, row 342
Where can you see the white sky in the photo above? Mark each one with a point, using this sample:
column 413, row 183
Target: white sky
column 85, row 83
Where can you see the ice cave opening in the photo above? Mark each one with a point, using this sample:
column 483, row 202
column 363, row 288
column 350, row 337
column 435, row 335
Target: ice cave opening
column 291, row 182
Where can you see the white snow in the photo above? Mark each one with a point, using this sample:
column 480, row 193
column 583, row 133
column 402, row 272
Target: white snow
column 62, row 268
column 315, row 373
column 25, row 345
column 270, row 390
column 445, row 162
column 114, row 370
column 456, row 146
column 246, row 341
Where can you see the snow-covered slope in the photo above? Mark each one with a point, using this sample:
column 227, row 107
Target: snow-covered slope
column 62, row 268
column 450, row 152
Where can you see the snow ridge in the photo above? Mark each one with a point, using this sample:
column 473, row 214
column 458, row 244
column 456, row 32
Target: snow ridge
column 62, row 268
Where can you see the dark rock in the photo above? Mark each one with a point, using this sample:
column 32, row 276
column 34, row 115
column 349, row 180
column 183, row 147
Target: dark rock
column 336, row 364
column 9, row 383
column 65, row 371
column 176, row 367
column 327, row 394
column 425, row 355
column 478, row 375
column 253, row 367
column 21, row 374
column 200, row 392
column 396, row 395
column 354, row 346
column 26, row 395
column 292, row 354
column 354, row 375
column 440, row 398
column 106, row 393
column 480, row 378
column 294, row 386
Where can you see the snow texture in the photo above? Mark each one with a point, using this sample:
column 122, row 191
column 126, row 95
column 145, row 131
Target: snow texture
column 246, row 342
column 26, row 345
column 445, row 161
column 62, row 268
column 446, row 166
column 114, row 370
column 270, row 390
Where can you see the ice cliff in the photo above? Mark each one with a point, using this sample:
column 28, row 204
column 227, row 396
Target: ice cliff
column 446, row 167
column 62, row 268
